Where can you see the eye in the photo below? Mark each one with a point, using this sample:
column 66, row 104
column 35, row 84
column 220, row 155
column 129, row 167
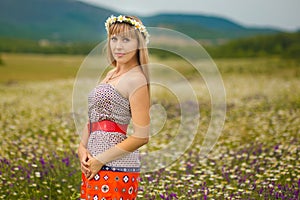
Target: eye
column 114, row 38
column 126, row 39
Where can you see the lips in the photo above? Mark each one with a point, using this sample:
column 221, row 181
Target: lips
column 119, row 54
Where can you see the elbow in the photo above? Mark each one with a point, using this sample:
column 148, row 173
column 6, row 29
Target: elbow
column 144, row 141
column 140, row 141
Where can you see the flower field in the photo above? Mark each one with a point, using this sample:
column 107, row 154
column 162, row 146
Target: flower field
column 256, row 157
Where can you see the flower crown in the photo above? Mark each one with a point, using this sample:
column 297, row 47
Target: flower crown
column 123, row 19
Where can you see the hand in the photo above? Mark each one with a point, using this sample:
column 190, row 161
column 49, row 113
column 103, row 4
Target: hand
column 94, row 167
column 84, row 156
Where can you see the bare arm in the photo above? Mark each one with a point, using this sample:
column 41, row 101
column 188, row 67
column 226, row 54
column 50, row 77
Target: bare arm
column 140, row 105
column 85, row 136
column 83, row 153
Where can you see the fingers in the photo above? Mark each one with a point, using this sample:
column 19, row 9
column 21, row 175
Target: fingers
column 89, row 156
column 85, row 162
column 90, row 166
column 92, row 175
column 86, row 158
column 92, row 171
column 85, row 171
column 84, row 168
column 94, row 168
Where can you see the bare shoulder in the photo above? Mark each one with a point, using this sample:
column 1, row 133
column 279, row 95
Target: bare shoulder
column 131, row 82
column 136, row 77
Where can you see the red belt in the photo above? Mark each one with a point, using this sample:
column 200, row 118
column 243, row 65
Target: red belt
column 108, row 126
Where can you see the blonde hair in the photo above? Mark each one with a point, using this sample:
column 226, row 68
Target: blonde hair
column 118, row 28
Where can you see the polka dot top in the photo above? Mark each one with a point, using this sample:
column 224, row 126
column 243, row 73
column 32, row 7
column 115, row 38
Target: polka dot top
column 106, row 103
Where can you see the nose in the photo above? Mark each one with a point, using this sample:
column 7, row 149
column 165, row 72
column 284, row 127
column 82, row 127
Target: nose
column 119, row 44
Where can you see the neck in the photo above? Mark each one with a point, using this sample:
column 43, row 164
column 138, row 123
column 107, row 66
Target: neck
column 123, row 67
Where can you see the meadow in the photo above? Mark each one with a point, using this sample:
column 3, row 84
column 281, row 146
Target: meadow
column 256, row 157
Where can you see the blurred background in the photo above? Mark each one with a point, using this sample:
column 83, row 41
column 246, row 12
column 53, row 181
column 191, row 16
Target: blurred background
column 256, row 46
column 226, row 29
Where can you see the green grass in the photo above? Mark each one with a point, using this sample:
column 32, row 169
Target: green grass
column 35, row 67
column 256, row 157
column 39, row 67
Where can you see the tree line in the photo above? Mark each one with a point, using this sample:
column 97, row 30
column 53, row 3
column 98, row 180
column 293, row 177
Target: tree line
column 13, row 45
column 286, row 45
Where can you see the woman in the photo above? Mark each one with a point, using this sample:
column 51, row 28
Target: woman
column 110, row 159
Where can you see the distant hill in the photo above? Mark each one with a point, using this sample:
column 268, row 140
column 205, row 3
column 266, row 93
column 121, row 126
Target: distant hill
column 75, row 21
column 205, row 27
column 58, row 20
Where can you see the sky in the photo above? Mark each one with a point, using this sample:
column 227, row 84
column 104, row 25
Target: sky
column 283, row 14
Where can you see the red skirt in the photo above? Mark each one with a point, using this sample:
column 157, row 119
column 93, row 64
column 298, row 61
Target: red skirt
column 110, row 185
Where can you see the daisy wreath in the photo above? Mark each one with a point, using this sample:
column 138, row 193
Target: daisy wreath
column 123, row 19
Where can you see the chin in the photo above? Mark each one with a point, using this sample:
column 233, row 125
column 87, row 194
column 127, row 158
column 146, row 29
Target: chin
column 121, row 60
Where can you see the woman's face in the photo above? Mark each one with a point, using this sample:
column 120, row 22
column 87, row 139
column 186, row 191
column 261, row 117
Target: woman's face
column 124, row 48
